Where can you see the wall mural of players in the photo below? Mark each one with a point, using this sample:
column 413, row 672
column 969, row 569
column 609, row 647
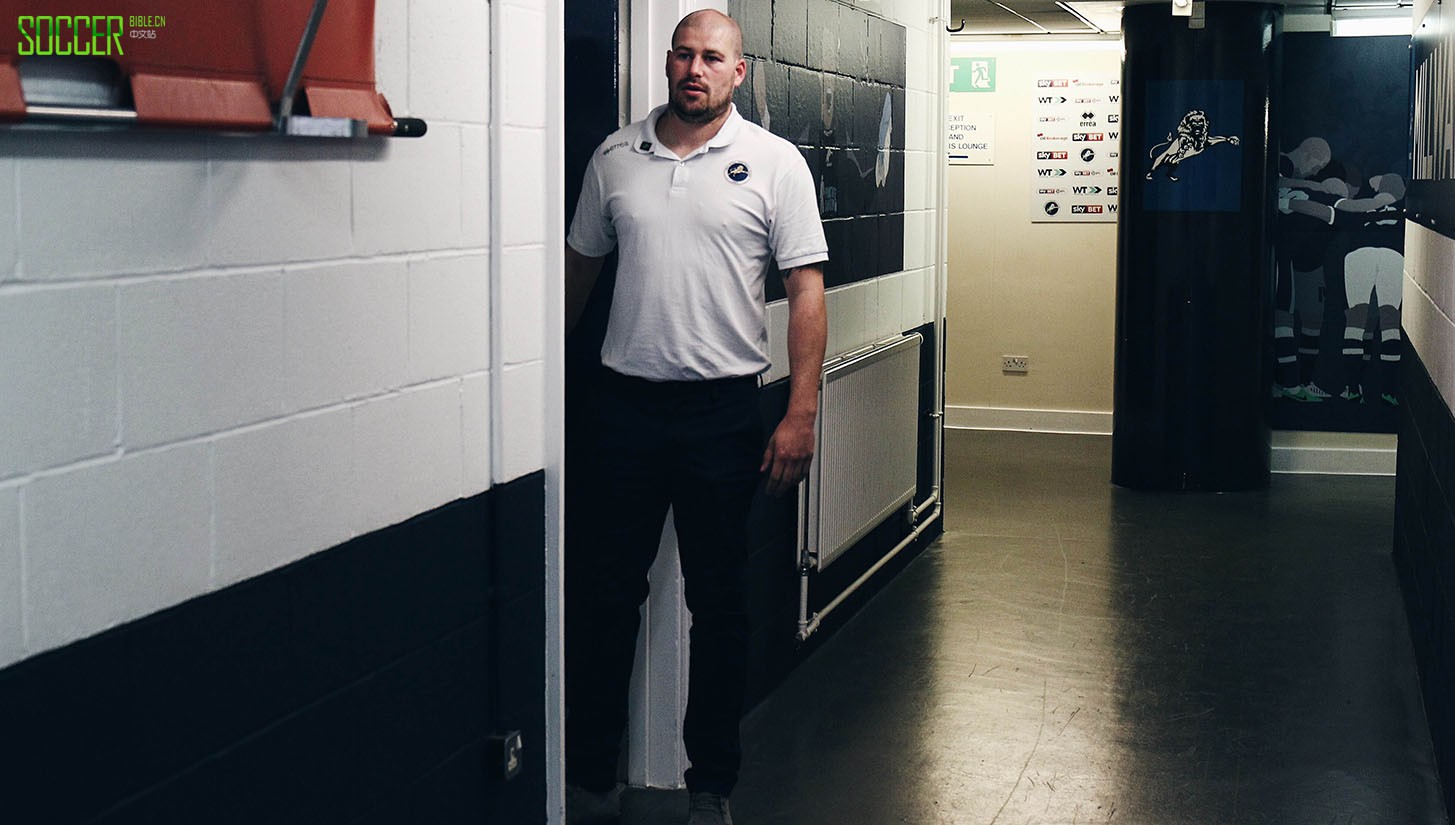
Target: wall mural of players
column 1339, row 236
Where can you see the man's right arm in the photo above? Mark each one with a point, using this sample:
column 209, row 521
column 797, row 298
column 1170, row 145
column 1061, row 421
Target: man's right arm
column 581, row 272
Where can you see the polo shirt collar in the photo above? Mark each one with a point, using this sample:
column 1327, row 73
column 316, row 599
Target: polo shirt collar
column 647, row 143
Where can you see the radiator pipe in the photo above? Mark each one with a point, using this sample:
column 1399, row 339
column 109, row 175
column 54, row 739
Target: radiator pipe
column 807, row 626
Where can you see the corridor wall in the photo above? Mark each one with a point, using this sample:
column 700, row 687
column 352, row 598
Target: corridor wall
column 1043, row 290
column 278, row 478
column 1424, row 536
column 819, row 76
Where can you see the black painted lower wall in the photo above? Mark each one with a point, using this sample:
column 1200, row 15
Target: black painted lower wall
column 1424, row 549
column 359, row 685
column 773, row 574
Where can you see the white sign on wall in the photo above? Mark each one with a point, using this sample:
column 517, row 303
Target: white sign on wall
column 971, row 138
column 1076, row 146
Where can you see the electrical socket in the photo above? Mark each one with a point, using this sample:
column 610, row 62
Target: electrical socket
column 1015, row 363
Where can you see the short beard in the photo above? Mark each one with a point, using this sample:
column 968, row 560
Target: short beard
column 707, row 115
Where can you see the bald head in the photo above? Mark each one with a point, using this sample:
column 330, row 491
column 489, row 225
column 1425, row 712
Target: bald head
column 713, row 21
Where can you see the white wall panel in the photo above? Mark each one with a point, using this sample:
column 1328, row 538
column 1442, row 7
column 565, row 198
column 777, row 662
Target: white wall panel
column 523, row 200
column 777, row 341
column 523, row 97
column 391, row 55
column 522, row 433
column 139, row 206
column 449, row 67
column 407, row 454
column 915, row 300
column 283, row 491
column 12, row 627
column 919, row 180
column 522, row 315
column 890, row 318
column 407, row 193
column 200, row 355
column 57, row 377
column 110, row 542
column 275, row 201
column 9, row 227
column 449, row 317
column 474, row 186
column 475, row 428
column 345, row 329
column 919, row 111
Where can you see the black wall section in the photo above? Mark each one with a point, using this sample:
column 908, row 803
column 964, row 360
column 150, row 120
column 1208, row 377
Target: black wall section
column 1424, row 550
column 830, row 78
column 773, row 573
column 1195, row 251
column 1424, row 536
column 355, row 686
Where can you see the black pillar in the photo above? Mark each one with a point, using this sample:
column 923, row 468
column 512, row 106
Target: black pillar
column 1195, row 248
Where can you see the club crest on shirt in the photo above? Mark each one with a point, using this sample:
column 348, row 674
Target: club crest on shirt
column 737, row 172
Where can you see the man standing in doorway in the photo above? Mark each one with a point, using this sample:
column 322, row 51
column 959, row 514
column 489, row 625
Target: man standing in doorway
column 701, row 205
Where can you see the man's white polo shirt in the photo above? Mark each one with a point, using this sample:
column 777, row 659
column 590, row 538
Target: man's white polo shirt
column 698, row 236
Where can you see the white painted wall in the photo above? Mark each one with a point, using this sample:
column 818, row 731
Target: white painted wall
column 220, row 354
column 1044, row 290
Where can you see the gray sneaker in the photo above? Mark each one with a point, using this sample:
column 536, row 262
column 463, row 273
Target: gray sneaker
column 708, row 809
column 585, row 807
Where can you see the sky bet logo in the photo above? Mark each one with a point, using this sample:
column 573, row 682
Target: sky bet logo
column 1084, row 209
column 1051, row 155
column 82, row 35
column 1085, row 136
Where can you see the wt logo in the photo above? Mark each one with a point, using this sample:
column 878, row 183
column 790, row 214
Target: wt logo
column 1113, row 98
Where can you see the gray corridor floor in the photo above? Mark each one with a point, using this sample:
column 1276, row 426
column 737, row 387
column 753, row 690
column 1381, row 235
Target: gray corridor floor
column 1071, row 652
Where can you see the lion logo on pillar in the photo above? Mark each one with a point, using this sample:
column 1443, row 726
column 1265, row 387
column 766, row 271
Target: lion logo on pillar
column 1192, row 138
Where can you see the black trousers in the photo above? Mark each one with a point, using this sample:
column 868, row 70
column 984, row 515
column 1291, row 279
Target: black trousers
column 695, row 447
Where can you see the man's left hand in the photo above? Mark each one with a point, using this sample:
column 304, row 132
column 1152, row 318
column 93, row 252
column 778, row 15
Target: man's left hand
column 789, row 455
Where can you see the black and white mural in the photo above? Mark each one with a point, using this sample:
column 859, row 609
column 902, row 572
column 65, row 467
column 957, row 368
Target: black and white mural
column 1339, row 235
column 831, row 78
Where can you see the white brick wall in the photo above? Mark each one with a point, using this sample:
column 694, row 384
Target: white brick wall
column 199, row 355
column 449, row 313
column 1427, row 312
column 8, row 227
column 138, row 206
column 283, row 489
column 115, row 540
column 58, row 404
column 222, row 354
column 346, row 331
column 12, row 631
column 275, row 201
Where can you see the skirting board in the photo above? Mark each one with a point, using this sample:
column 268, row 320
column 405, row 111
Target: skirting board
column 1316, row 453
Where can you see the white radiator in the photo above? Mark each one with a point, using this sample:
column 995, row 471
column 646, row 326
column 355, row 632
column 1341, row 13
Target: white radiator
column 866, row 463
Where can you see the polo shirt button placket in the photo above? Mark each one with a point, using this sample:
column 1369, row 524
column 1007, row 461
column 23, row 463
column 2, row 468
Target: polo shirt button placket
column 679, row 176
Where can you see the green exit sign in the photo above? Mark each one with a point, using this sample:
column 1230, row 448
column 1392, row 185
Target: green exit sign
column 972, row 74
